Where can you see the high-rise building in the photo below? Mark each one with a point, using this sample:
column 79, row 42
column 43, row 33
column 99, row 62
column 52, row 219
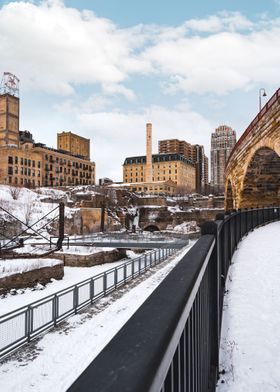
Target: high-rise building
column 222, row 142
column 201, row 165
column 195, row 153
column 175, row 145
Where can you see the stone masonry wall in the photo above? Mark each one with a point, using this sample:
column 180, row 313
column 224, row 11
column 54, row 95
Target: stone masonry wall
column 76, row 260
column 31, row 278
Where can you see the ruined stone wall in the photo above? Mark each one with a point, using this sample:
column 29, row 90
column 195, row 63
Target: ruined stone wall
column 161, row 217
column 76, row 260
column 31, row 278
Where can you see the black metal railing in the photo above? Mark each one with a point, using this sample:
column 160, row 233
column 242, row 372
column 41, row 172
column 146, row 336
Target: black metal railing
column 171, row 343
column 24, row 324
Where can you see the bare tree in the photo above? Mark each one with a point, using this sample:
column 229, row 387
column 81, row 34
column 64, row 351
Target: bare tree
column 28, row 207
column 15, row 192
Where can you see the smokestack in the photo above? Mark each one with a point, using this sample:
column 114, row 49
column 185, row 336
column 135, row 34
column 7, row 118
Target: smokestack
column 149, row 170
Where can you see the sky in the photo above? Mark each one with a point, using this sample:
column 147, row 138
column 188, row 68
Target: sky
column 104, row 68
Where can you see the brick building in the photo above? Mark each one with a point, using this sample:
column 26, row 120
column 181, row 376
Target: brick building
column 193, row 152
column 165, row 167
column 26, row 163
column 155, row 173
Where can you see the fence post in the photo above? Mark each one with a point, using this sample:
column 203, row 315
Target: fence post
column 61, row 226
column 28, row 323
column 76, row 298
column 91, row 290
column 214, row 300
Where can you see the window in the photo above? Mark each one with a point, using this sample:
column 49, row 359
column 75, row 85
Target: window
column 16, row 160
column 10, row 160
column 10, row 170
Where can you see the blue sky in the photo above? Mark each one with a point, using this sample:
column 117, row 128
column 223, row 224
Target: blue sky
column 104, row 68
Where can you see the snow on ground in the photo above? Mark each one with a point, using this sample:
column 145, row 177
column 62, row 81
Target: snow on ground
column 250, row 341
column 184, row 228
column 28, row 207
column 19, row 266
column 72, row 275
column 62, row 355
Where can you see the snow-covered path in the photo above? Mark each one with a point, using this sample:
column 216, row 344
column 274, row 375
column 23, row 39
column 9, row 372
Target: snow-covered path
column 250, row 341
column 55, row 361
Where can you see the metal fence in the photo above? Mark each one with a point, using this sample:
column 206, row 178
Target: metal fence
column 22, row 325
column 171, row 344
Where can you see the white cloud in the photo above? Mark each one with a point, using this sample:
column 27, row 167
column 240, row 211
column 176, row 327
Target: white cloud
column 117, row 135
column 217, row 63
column 223, row 21
column 56, row 49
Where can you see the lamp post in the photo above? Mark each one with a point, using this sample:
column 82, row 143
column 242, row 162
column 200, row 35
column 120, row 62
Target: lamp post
column 262, row 93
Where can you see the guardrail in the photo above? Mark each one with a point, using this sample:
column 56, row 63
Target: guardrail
column 171, row 343
column 24, row 324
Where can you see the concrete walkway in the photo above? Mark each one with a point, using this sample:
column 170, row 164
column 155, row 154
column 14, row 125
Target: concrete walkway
column 250, row 343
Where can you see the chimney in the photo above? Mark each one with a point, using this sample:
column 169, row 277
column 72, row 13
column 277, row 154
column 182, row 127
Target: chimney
column 149, row 170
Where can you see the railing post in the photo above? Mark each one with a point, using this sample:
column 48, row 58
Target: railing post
column 214, row 300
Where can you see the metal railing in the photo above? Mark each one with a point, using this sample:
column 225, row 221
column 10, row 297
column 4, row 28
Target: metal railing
column 171, row 343
column 24, row 324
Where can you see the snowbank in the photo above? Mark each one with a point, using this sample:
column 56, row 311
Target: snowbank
column 19, row 266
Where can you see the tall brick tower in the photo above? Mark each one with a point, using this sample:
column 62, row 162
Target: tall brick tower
column 9, row 110
column 149, row 167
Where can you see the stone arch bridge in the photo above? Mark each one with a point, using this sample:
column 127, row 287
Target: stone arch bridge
column 253, row 169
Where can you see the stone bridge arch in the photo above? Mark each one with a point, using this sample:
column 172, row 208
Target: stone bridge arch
column 253, row 169
column 229, row 194
column 260, row 185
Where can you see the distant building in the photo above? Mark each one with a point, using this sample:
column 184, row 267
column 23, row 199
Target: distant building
column 155, row 173
column 191, row 152
column 222, row 142
column 26, row 163
column 105, row 181
column 154, row 187
column 165, row 167
column 74, row 144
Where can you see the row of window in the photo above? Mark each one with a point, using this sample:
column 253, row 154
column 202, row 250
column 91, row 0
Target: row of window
column 61, row 161
column 153, row 166
column 32, row 163
column 64, row 170
column 23, row 162
column 159, row 172
column 24, row 171
column 156, row 189
column 26, row 182
column 142, row 179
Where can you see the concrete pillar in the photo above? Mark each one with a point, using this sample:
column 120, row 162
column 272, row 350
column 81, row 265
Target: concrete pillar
column 149, row 167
